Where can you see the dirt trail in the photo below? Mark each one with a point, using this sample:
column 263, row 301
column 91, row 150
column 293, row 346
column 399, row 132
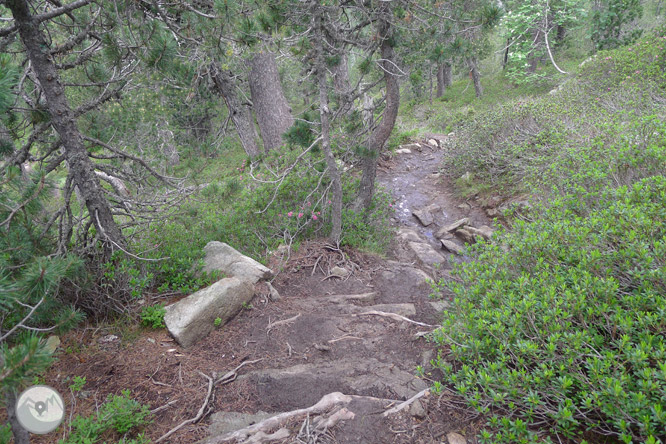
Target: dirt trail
column 359, row 334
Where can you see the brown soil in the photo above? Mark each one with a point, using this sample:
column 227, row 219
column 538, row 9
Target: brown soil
column 328, row 347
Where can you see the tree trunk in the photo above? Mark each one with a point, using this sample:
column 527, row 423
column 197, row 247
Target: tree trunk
column 81, row 167
column 444, row 78
column 440, row 80
column 270, row 105
column 324, row 114
column 341, row 84
column 476, row 76
column 383, row 130
column 240, row 113
column 21, row 435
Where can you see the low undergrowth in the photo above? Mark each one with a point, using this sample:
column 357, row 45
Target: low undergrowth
column 559, row 326
column 529, row 145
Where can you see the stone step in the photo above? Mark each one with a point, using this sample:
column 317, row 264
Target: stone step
column 275, row 388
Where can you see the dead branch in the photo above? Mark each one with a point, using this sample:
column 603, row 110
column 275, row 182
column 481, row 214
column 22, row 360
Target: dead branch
column 199, row 414
column 407, row 403
column 271, row 325
column 395, row 316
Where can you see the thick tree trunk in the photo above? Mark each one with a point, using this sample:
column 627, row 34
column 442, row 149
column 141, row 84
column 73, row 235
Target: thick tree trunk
column 21, row 435
column 383, row 130
column 324, row 114
column 476, row 76
column 240, row 113
column 270, row 105
column 81, row 167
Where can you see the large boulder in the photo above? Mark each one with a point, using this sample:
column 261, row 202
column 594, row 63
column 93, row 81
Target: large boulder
column 224, row 258
column 193, row 317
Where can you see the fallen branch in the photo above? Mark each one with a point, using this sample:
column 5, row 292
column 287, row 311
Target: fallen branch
column 164, row 407
column 407, row 403
column 199, row 415
column 271, row 325
column 233, row 374
column 395, row 316
column 225, row 379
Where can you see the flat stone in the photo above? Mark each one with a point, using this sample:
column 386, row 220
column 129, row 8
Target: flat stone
column 408, row 235
column 440, row 305
column 426, row 254
column 417, row 409
column 451, row 227
column 193, row 317
column 339, row 272
column 274, row 294
column 466, row 235
column 226, row 422
column 403, row 151
column 455, row 438
column 224, row 258
column 483, row 231
column 349, row 375
column 424, row 215
column 452, row 246
column 344, row 298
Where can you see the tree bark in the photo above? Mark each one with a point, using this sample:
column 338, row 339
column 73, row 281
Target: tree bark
column 268, row 100
column 63, row 120
column 240, row 113
column 383, row 131
column 21, row 435
column 324, row 114
column 444, row 78
column 342, row 84
column 476, row 76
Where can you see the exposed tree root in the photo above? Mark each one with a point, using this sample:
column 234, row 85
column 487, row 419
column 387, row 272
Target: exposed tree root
column 395, row 316
column 407, row 403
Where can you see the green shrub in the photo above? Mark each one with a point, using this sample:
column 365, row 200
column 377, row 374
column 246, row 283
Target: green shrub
column 561, row 322
column 520, row 146
column 153, row 316
column 118, row 413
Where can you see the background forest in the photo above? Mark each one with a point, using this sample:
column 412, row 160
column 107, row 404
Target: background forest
column 133, row 133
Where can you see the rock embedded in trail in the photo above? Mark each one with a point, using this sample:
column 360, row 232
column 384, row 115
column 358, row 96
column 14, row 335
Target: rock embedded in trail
column 451, row 227
column 426, row 254
column 466, row 235
column 403, row 151
column 425, row 216
column 452, row 247
column 408, row 235
column 224, row 258
column 193, row 317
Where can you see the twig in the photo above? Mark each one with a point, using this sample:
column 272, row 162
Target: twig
column 231, row 376
column 407, row 403
column 395, row 316
column 282, row 322
column 200, row 413
column 165, row 406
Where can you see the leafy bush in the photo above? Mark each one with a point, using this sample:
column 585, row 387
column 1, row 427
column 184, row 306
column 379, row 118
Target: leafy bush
column 153, row 316
column 561, row 321
column 118, row 413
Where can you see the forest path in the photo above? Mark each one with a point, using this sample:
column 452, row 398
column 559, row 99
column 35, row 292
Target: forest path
column 344, row 341
column 340, row 333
